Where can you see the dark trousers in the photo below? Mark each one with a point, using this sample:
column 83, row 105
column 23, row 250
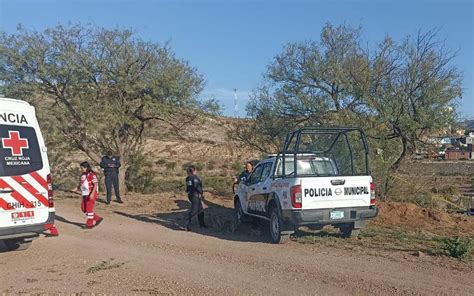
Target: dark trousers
column 112, row 180
column 196, row 209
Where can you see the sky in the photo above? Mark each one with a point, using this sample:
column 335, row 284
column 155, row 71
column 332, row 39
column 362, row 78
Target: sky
column 232, row 42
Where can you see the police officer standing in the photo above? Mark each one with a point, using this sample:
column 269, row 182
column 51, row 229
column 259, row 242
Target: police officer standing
column 194, row 190
column 111, row 164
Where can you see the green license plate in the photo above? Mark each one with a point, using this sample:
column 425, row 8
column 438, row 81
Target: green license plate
column 334, row 215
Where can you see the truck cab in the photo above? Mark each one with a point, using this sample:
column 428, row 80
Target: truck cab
column 320, row 177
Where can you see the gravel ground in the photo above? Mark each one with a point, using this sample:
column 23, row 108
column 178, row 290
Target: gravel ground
column 133, row 253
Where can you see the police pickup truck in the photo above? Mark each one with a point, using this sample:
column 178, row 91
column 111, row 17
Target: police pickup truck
column 321, row 177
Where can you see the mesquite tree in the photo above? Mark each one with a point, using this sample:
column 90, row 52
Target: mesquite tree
column 96, row 89
column 399, row 92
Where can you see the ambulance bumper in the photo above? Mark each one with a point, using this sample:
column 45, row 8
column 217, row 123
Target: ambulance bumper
column 25, row 231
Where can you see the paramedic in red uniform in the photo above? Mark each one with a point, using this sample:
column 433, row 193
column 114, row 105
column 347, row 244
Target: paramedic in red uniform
column 89, row 190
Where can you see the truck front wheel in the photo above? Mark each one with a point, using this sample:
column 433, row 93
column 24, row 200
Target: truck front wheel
column 276, row 226
column 240, row 216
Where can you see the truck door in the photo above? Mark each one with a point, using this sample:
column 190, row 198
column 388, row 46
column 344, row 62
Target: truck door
column 259, row 188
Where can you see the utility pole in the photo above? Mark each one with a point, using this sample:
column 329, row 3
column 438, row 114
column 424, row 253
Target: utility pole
column 236, row 106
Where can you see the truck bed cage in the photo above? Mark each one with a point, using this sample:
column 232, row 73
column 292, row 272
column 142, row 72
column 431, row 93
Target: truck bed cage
column 295, row 151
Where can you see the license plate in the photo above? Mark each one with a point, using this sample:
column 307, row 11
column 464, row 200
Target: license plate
column 334, row 215
column 22, row 216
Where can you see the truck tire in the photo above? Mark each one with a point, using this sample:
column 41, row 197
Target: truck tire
column 276, row 226
column 240, row 216
column 17, row 244
column 348, row 231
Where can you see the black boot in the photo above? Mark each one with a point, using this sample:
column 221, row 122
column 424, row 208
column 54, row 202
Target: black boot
column 202, row 224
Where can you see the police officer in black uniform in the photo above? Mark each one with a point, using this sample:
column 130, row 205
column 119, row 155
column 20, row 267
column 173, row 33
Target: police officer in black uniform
column 111, row 164
column 194, row 190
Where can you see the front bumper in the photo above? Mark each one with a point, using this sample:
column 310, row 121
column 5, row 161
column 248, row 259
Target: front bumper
column 25, row 231
column 323, row 216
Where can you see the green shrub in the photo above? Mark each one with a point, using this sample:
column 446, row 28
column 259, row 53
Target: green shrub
column 425, row 200
column 139, row 176
column 173, row 185
column 220, row 185
column 185, row 165
column 161, row 161
column 170, row 166
column 211, row 165
column 237, row 166
column 457, row 247
column 198, row 165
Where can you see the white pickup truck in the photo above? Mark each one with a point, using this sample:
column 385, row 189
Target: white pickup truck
column 321, row 177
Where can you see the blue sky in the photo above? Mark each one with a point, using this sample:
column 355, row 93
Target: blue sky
column 231, row 42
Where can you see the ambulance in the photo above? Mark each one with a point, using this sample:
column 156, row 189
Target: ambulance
column 26, row 195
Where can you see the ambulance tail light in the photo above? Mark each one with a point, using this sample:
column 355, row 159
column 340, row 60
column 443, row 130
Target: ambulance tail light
column 296, row 197
column 49, row 180
column 372, row 194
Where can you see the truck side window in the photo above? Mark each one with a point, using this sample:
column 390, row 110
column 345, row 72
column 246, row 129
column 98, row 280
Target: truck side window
column 255, row 177
column 267, row 169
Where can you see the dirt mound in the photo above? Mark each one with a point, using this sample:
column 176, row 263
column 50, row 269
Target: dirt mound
column 413, row 217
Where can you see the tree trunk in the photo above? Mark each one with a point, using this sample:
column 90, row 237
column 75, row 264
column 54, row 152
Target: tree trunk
column 122, row 186
column 394, row 167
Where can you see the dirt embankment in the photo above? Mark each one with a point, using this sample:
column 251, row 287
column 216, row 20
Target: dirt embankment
column 415, row 218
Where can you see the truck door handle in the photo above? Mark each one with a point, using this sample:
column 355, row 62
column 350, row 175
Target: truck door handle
column 338, row 182
column 6, row 191
column 264, row 188
column 253, row 189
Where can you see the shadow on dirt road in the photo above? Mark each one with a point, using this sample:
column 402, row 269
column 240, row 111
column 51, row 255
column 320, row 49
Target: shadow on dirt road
column 64, row 220
column 220, row 221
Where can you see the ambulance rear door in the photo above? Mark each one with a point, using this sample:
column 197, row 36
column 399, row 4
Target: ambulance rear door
column 24, row 169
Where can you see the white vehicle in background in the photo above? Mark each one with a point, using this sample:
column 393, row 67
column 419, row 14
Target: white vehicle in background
column 26, row 196
column 321, row 177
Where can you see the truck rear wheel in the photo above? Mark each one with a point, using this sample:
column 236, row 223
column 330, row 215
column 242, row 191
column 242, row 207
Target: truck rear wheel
column 348, row 231
column 17, row 244
column 276, row 226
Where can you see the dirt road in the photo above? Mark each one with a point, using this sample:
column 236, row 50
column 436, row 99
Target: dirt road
column 133, row 253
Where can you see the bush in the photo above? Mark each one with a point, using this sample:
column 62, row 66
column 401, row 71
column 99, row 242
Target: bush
column 425, row 200
column 161, row 161
column 211, row 165
column 139, row 176
column 458, row 247
column 198, row 165
column 173, row 185
column 170, row 166
column 237, row 166
column 220, row 185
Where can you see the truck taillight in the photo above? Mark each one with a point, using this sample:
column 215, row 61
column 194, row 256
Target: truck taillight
column 372, row 194
column 296, row 196
column 49, row 180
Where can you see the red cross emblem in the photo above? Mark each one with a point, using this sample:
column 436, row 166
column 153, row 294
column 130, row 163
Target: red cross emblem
column 15, row 143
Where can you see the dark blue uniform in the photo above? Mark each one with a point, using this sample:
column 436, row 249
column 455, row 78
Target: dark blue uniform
column 194, row 190
column 244, row 176
column 111, row 166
